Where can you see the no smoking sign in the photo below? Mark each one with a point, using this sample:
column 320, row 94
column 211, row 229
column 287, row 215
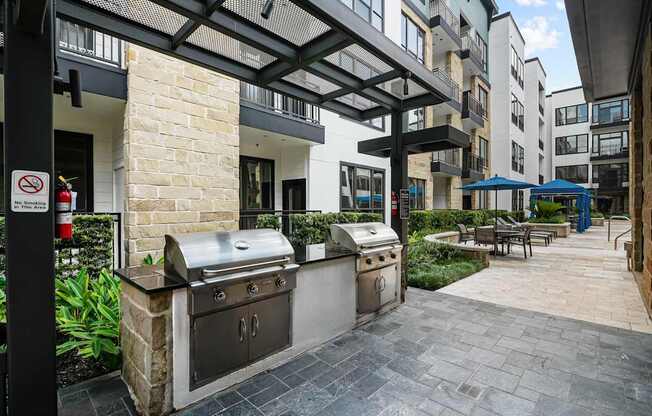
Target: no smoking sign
column 30, row 191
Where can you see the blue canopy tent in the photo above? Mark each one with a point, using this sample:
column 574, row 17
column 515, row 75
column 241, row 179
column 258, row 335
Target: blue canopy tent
column 560, row 187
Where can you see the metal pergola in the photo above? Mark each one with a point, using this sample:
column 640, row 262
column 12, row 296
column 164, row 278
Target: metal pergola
column 318, row 51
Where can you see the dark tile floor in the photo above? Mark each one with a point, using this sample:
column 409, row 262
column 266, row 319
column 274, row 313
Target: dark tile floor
column 443, row 355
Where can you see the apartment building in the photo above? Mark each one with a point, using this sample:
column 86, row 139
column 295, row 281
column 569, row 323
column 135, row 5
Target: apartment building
column 589, row 145
column 518, row 116
column 458, row 35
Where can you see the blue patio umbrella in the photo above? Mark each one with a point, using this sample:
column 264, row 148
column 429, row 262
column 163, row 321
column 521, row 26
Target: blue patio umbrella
column 497, row 183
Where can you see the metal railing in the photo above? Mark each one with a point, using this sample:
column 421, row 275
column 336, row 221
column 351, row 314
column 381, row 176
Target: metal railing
column 613, row 150
column 88, row 43
column 449, row 156
column 439, row 8
column 470, row 103
column 444, row 75
column 471, row 161
column 249, row 218
column 475, row 50
column 617, row 217
column 279, row 103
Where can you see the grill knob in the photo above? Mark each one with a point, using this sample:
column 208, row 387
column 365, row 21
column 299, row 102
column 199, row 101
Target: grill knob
column 393, row 255
column 219, row 296
column 252, row 289
column 368, row 261
column 281, row 283
column 381, row 258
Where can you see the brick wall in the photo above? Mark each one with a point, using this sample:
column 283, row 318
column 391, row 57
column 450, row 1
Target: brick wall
column 181, row 151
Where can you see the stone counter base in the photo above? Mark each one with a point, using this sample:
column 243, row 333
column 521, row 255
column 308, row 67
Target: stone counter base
column 563, row 230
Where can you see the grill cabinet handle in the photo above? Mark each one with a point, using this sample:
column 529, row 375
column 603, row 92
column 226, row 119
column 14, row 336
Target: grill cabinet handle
column 243, row 329
column 380, row 284
column 254, row 325
column 211, row 272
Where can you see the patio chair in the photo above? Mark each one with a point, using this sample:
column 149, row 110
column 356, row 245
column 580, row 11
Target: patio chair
column 523, row 239
column 547, row 236
column 465, row 234
column 487, row 236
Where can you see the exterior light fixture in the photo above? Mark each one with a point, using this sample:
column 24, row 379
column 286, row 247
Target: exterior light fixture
column 267, row 9
column 406, row 90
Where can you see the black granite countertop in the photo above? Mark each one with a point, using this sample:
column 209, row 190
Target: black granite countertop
column 149, row 279
column 313, row 253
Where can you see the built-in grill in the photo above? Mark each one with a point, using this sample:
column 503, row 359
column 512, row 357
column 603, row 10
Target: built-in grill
column 378, row 266
column 239, row 296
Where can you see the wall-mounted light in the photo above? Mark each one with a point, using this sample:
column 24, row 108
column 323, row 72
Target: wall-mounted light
column 267, row 9
column 406, row 89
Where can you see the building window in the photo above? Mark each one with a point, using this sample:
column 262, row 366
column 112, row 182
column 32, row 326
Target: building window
column 483, row 51
column 483, row 150
column 619, row 172
column 256, row 183
column 518, row 157
column 371, row 11
column 573, row 173
column 517, row 68
column 518, row 113
column 611, row 112
column 482, row 98
column 416, row 119
column 517, row 199
column 412, row 38
column 610, row 144
column 417, row 193
column 362, row 188
column 572, row 114
column 569, row 145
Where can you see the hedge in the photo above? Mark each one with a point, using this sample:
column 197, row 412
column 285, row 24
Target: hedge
column 446, row 219
column 268, row 221
column 312, row 228
column 91, row 247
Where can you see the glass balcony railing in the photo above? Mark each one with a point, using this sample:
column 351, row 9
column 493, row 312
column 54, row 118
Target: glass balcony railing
column 439, row 8
column 611, row 112
column 449, row 156
column 88, row 43
column 444, row 75
column 610, row 150
column 279, row 103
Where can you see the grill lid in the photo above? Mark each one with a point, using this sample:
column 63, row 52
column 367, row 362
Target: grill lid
column 359, row 236
column 207, row 254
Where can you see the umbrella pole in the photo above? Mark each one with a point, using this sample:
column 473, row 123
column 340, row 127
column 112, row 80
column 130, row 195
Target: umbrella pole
column 496, row 223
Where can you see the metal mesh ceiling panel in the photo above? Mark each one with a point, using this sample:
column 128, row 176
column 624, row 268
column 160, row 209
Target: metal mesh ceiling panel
column 358, row 61
column 287, row 19
column 143, row 12
column 221, row 44
column 357, row 101
column 395, row 87
column 311, row 82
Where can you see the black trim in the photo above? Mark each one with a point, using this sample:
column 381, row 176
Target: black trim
column 420, row 141
column 536, row 58
column 252, row 115
column 598, row 126
column 576, row 137
column 566, row 89
column 440, row 166
column 355, row 167
column 273, row 182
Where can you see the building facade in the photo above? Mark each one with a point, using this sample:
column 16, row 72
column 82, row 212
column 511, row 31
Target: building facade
column 518, row 117
column 589, row 145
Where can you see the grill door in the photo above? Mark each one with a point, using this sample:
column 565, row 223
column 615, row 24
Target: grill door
column 269, row 321
column 216, row 344
column 368, row 291
column 389, row 285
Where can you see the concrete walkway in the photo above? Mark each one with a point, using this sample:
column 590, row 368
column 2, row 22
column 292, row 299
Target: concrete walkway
column 580, row 277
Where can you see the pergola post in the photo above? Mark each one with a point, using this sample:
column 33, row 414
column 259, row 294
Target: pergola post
column 399, row 180
column 28, row 146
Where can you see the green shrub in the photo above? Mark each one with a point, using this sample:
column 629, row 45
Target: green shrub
column 3, row 298
column 312, row 228
column 446, row 219
column 546, row 209
column 435, row 276
column 596, row 214
column 268, row 221
column 88, row 313
column 148, row 260
column 519, row 216
column 555, row 219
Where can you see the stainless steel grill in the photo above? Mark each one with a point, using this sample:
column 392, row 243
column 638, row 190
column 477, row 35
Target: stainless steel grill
column 239, row 296
column 378, row 266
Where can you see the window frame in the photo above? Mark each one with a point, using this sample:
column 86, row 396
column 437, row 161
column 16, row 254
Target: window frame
column 623, row 135
column 625, row 111
column 623, row 166
column 577, row 147
column 483, row 98
column 483, row 147
column 419, row 202
column 371, row 13
column 373, row 170
column 273, row 182
column 405, row 38
column 577, row 118
column 573, row 180
column 483, row 51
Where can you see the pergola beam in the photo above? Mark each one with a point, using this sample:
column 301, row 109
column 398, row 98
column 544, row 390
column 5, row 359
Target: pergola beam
column 191, row 25
column 371, row 82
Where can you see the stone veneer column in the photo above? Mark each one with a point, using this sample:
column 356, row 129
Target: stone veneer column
column 146, row 338
column 181, row 151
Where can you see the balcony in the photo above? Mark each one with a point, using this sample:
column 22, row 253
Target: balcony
column 454, row 105
column 473, row 166
column 472, row 112
column 446, row 163
column 614, row 113
column 445, row 27
column 610, row 151
column 270, row 111
column 472, row 57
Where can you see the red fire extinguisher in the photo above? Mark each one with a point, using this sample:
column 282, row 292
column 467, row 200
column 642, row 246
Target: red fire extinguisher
column 63, row 210
column 394, row 204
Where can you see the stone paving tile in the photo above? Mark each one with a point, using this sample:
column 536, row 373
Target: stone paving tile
column 538, row 365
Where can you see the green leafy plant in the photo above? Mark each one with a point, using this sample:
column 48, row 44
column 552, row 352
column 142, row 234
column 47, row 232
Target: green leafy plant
column 433, row 265
column 149, row 260
column 88, row 313
column 3, row 298
column 268, row 221
column 312, row 228
column 547, row 209
column 555, row 219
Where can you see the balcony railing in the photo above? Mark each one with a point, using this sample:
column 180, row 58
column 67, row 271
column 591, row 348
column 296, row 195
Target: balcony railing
column 471, row 161
column 540, row 144
column 88, row 43
column 444, row 75
column 449, row 156
column 439, row 8
column 472, row 104
column 279, row 103
column 610, row 150
column 611, row 112
column 475, row 50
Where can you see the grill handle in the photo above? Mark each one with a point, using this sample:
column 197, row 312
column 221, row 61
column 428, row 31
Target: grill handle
column 243, row 329
column 213, row 272
column 380, row 284
column 254, row 325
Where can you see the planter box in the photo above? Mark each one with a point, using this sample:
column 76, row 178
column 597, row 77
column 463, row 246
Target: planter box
column 563, row 230
column 597, row 221
column 480, row 253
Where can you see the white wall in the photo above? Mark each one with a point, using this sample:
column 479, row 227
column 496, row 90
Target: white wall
column 534, row 125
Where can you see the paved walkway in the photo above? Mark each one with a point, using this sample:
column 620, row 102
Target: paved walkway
column 580, row 277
